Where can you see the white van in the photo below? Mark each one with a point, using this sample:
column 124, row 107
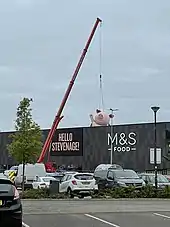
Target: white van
column 31, row 171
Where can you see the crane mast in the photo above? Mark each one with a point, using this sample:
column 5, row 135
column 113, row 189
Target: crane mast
column 58, row 116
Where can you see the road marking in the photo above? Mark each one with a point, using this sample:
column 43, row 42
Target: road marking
column 162, row 215
column 101, row 220
column 25, row 225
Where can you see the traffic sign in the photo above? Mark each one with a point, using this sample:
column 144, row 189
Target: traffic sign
column 158, row 156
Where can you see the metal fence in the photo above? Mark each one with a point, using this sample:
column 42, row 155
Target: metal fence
column 160, row 171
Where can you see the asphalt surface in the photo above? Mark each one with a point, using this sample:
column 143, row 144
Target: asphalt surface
column 96, row 213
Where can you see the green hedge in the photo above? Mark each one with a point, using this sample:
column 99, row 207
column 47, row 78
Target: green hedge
column 42, row 194
column 146, row 192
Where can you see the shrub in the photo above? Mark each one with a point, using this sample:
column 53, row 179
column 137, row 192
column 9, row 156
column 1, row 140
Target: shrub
column 41, row 194
column 130, row 192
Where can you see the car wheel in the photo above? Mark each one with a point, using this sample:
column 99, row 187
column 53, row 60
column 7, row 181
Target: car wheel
column 70, row 193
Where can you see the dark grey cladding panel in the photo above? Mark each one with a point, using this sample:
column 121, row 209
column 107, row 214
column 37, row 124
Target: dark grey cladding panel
column 5, row 158
column 96, row 147
column 140, row 158
column 167, row 149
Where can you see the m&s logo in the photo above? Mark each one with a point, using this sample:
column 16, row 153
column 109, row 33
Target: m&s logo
column 122, row 142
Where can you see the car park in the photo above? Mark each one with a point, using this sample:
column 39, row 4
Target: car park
column 10, row 204
column 80, row 184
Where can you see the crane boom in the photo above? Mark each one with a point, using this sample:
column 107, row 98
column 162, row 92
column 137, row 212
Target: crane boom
column 58, row 116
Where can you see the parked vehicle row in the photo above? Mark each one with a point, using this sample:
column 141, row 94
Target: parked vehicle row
column 72, row 183
column 104, row 176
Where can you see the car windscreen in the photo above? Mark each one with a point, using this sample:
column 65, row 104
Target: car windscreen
column 14, row 168
column 47, row 179
column 126, row 174
column 160, row 179
column 84, row 177
column 5, row 185
column 59, row 177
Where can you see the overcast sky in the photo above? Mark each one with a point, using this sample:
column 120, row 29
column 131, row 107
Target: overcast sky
column 40, row 44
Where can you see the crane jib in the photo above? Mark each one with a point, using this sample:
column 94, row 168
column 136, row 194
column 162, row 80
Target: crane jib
column 58, row 118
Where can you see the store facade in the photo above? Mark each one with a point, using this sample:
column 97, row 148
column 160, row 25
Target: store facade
column 89, row 146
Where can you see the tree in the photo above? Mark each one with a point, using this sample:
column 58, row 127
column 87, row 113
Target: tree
column 26, row 142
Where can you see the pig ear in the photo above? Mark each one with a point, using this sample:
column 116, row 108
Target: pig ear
column 98, row 111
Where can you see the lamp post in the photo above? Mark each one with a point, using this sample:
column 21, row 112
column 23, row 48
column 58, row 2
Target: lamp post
column 111, row 132
column 155, row 110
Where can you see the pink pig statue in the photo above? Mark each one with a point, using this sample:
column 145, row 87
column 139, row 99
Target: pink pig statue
column 100, row 118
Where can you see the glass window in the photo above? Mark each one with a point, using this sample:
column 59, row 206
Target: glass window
column 161, row 179
column 47, row 179
column 127, row 174
column 84, row 177
column 144, row 177
column 168, row 134
column 64, row 178
column 5, row 185
column 110, row 175
column 69, row 177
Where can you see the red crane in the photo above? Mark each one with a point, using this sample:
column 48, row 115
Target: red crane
column 58, row 116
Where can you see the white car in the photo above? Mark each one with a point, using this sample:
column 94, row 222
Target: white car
column 42, row 182
column 81, row 184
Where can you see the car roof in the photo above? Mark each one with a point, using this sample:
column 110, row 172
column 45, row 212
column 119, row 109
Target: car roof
column 108, row 166
column 71, row 173
column 83, row 173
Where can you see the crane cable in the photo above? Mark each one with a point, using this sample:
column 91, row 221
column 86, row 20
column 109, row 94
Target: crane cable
column 101, row 102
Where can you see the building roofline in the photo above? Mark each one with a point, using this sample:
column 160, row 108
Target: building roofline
column 126, row 124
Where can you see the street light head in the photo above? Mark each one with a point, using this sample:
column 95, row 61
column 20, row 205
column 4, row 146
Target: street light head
column 113, row 109
column 155, row 108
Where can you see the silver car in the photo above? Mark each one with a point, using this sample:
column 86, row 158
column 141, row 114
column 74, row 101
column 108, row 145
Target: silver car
column 149, row 179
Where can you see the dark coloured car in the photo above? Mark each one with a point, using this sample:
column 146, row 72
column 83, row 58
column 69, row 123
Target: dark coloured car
column 124, row 178
column 110, row 178
column 10, row 204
